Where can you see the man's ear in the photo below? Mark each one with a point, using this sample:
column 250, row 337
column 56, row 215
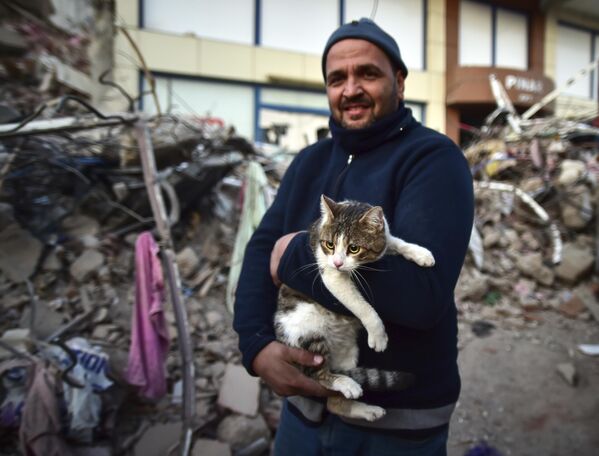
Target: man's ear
column 400, row 85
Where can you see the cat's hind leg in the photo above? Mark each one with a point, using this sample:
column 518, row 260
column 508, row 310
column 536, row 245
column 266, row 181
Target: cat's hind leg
column 322, row 374
column 413, row 252
column 354, row 409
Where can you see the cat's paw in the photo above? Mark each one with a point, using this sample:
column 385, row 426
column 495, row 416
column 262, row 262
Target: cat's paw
column 368, row 412
column 421, row 256
column 348, row 387
column 377, row 339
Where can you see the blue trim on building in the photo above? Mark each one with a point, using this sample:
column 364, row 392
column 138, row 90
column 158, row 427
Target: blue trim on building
column 296, row 109
column 257, row 22
column 424, row 34
column 140, row 89
column 166, row 74
column 257, row 97
column 341, row 12
column 140, row 14
column 592, row 73
column 423, row 107
column 493, row 35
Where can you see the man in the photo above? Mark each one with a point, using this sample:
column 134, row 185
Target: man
column 377, row 154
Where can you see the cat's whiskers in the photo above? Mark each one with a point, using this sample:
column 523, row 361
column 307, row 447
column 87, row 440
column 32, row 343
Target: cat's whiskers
column 359, row 279
column 369, row 268
column 310, row 267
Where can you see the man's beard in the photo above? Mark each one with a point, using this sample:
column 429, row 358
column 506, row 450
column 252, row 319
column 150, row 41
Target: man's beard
column 367, row 101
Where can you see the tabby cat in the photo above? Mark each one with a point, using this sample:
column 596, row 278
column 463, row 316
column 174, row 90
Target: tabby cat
column 347, row 236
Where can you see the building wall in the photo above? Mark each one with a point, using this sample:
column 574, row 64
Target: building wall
column 285, row 58
column 245, row 58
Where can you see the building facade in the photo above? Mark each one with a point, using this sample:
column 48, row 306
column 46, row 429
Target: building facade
column 255, row 64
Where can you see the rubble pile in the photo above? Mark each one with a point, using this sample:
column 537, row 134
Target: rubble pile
column 72, row 207
column 534, row 244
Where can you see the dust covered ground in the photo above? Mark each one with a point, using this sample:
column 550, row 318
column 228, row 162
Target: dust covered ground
column 514, row 398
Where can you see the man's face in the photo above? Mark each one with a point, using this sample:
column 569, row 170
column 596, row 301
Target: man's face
column 361, row 84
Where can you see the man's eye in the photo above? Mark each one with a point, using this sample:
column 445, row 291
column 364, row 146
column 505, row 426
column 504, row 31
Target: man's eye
column 329, row 245
column 353, row 248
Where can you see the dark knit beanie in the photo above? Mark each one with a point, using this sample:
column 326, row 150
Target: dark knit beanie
column 366, row 29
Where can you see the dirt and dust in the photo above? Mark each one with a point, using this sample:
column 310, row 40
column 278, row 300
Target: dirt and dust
column 513, row 397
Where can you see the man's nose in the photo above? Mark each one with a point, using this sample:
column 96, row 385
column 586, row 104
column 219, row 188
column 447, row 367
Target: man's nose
column 352, row 87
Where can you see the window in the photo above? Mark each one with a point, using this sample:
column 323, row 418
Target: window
column 232, row 103
column 403, row 20
column 492, row 36
column 576, row 48
column 204, row 18
column 298, row 26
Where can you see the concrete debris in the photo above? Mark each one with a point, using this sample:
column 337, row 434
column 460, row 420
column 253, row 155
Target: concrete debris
column 239, row 391
column 41, row 319
column 532, row 265
column 19, row 253
column 188, row 262
column 240, row 431
column 573, row 307
column 158, row 440
column 576, row 263
column 568, row 373
column 208, row 447
column 89, row 262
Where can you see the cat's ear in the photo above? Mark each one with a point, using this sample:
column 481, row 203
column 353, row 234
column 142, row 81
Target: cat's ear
column 374, row 217
column 326, row 208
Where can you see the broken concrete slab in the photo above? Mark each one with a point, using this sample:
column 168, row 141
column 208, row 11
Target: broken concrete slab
column 80, row 225
column 45, row 320
column 158, row 439
column 90, row 261
column 239, row 391
column 240, row 431
column 568, row 373
column 19, row 253
column 576, row 263
column 531, row 265
column 188, row 261
column 19, row 339
column 573, row 307
column 208, row 447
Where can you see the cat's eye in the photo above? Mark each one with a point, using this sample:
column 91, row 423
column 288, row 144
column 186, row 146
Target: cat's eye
column 329, row 245
column 353, row 248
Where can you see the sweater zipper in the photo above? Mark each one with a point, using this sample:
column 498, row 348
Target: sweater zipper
column 338, row 182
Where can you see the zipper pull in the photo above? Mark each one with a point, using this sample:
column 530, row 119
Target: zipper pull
column 350, row 158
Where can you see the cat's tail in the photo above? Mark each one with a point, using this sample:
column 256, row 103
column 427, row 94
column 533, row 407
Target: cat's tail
column 372, row 379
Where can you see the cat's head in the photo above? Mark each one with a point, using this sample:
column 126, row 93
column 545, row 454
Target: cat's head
column 349, row 234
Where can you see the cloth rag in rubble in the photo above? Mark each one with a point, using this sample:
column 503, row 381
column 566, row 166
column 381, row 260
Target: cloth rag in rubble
column 149, row 337
column 41, row 425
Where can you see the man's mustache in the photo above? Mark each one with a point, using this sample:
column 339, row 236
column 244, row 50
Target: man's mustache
column 360, row 99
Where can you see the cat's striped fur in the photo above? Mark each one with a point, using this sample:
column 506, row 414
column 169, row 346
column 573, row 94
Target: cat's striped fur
column 347, row 235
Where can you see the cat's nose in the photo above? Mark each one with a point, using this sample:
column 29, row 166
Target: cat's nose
column 338, row 263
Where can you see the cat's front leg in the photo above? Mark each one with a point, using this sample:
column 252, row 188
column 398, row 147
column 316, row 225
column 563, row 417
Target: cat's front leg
column 377, row 335
column 343, row 288
column 413, row 252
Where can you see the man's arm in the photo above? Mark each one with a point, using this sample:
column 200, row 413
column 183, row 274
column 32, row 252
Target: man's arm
column 435, row 210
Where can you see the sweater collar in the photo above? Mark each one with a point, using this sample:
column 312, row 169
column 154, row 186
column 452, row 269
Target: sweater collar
column 366, row 139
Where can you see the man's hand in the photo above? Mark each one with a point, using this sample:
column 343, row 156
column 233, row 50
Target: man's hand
column 274, row 364
column 275, row 256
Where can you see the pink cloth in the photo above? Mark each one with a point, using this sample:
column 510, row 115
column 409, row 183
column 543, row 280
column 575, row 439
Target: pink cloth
column 149, row 336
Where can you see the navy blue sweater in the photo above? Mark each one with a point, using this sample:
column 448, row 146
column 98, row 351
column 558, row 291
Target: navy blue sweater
column 423, row 183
